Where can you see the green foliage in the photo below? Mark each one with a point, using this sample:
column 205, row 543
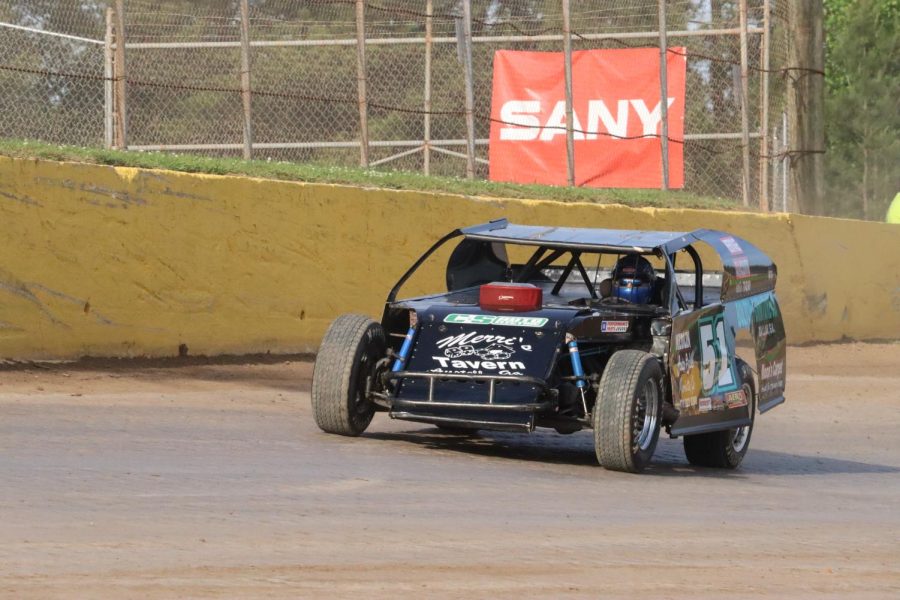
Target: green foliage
column 862, row 110
column 400, row 180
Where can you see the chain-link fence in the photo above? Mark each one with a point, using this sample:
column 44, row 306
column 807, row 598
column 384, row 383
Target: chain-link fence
column 184, row 91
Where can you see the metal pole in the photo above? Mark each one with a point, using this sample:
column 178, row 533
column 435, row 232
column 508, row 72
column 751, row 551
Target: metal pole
column 121, row 113
column 108, row 109
column 785, row 161
column 664, row 94
column 245, row 79
column 745, row 118
column 570, row 131
column 764, row 201
column 361, row 82
column 470, row 94
column 429, row 11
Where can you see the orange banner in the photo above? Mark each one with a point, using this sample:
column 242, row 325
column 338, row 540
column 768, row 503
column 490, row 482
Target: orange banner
column 617, row 117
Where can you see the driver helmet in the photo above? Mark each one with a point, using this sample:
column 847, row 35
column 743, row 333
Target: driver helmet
column 633, row 278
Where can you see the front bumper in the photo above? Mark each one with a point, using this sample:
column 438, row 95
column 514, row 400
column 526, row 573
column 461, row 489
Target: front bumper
column 488, row 414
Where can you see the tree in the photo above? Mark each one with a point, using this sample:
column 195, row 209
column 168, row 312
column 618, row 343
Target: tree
column 862, row 107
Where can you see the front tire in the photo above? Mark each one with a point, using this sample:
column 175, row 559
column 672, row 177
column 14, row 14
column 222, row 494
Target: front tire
column 347, row 358
column 628, row 410
column 725, row 449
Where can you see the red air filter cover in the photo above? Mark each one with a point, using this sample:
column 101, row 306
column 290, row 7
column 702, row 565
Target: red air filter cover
column 510, row 297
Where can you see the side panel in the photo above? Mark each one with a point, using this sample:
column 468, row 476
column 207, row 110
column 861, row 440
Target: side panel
column 767, row 328
column 705, row 382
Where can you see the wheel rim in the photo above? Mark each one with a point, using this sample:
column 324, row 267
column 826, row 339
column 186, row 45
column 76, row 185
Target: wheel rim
column 361, row 404
column 741, row 435
column 646, row 415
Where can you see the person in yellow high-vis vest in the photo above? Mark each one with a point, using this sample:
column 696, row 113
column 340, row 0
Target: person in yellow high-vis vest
column 893, row 214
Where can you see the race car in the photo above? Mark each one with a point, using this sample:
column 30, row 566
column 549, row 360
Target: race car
column 621, row 332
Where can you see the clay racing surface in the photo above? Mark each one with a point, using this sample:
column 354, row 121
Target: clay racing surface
column 205, row 481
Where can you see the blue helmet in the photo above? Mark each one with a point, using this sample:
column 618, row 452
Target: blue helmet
column 633, row 279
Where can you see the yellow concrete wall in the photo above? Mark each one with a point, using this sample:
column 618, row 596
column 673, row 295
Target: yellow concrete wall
column 110, row 261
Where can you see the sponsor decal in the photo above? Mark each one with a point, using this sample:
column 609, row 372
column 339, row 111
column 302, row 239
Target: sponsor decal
column 614, row 326
column 774, row 370
column 741, row 267
column 688, row 404
column 732, row 244
column 496, row 320
column 513, row 367
column 685, row 362
column 736, row 399
column 616, row 115
column 764, row 330
column 705, row 404
column 688, row 385
column 493, row 353
column 683, row 340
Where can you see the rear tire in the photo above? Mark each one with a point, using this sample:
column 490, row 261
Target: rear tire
column 725, row 449
column 628, row 411
column 347, row 357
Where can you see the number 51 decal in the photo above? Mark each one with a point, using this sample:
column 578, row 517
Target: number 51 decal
column 715, row 358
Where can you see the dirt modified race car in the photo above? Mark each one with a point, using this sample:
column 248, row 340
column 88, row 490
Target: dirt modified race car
column 622, row 332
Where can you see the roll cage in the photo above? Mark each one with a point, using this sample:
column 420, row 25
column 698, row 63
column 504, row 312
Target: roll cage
column 747, row 271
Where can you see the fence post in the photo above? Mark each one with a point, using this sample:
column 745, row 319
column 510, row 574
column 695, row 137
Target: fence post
column 119, row 64
column 664, row 93
column 470, row 94
column 567, row 59
column 426, row 147
column 745, row 117
column 361, row 83
column 108, row 109
column 245, row 79
column 785, row 161
column 764, row 201
column 806, row 106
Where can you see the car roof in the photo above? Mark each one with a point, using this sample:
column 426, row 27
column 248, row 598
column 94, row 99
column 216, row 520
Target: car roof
column 630, row 240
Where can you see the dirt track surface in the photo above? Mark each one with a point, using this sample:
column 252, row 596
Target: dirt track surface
column 208, row 481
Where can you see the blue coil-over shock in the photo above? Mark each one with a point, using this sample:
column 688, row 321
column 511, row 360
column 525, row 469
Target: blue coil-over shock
column 577, row 369
column 404, row 350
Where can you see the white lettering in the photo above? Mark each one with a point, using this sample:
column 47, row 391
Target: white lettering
column 556, row 124
column 477, row 365
column 597, row 112
column 474, row 338
column 650, row 120
column 522, row 114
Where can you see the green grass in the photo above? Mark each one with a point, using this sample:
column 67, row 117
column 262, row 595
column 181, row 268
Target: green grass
column 387, row 179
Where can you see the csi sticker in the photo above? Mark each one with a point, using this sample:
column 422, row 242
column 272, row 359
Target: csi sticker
column 613, row 326
column 495, row 320
column 736, row 399
column 705, row 404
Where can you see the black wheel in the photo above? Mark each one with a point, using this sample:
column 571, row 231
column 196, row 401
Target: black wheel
column 347, row 357
column 725, row 449
column 627, row 413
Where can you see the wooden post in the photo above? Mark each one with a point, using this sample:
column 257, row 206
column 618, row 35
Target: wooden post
column 764, row 201
column 429, row 11
column 567, row 59
column 664, row 94
column 120, row 73
column 806, row 105
column 108, row 96
column 470, row 94
column 745, row 115
column 245, row 79
column 361, row 83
